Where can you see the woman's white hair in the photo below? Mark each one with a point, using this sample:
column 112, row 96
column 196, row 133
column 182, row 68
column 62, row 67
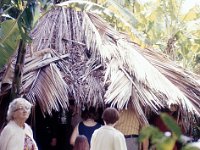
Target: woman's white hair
column 14, row 105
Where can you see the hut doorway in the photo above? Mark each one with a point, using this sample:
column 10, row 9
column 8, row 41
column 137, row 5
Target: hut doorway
column 53, row 132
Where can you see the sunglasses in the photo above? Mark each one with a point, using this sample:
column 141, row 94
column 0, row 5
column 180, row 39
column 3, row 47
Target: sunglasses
column 22, row 108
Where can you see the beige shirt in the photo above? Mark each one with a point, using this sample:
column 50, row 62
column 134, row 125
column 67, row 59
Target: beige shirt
column 108, row 138
column 128, row 123
column 12, row 137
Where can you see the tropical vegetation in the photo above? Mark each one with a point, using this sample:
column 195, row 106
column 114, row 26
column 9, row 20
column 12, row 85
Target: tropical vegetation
column 158, row 25
column 161, row 24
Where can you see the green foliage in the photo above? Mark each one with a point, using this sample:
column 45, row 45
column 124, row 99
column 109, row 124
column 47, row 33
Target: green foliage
column 151, row 24
column 155, row 23
column 171, row 124
column 45, row 5
column 24, row 15
column 24, row 20
column 9, row 38
column 162, row 141
column 157, row 138
column 4, row 2
column 151, row 132
column 163, row 20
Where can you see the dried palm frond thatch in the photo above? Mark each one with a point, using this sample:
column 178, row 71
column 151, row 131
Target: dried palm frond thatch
column 148, row 86
column 78, row 55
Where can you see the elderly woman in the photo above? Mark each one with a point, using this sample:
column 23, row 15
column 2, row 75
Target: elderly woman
column 17, row 135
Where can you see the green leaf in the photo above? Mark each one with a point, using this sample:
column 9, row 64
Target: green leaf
column 192, row 14
column 4, row 2
column 197, row 41
column 150, row 25
column 150, row 132
column 19, row 4
column 166, row 143
column 23, row 32
column 9, row 39
column 127, row 15
column 36, row 15
column 171, row 124
column 26, row 18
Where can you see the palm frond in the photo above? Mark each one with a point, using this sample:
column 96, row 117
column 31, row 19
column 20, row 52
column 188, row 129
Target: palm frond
column 79, row 55
column 133, row 72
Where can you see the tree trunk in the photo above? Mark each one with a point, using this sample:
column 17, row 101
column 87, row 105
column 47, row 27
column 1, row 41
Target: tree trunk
column 16, row 84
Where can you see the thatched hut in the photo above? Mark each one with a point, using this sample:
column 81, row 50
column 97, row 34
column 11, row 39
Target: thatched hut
column 78, row 55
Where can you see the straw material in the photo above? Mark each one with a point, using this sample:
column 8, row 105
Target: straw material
column 78, row 55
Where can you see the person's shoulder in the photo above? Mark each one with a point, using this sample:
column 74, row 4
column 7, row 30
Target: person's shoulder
column 99, row 129
column 80, row 124
column 28, row 127
column 9, row 128
column 28, row 130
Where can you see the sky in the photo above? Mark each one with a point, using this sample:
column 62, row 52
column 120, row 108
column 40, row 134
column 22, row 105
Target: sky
column 187, row 4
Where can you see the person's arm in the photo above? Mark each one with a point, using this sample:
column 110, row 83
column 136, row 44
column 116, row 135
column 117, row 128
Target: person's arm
column 145, row 144
column 11, row 139
column 4, row 138
column 74, row 135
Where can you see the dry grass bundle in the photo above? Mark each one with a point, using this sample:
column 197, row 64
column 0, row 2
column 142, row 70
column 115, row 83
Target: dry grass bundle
column 78, row 55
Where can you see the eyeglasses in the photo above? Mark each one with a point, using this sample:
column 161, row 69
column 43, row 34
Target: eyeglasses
column 23, row 108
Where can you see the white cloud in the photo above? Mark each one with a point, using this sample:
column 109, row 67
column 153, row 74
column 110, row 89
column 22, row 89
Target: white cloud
column 188, row 4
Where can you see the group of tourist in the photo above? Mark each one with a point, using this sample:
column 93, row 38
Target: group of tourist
column 119, row 131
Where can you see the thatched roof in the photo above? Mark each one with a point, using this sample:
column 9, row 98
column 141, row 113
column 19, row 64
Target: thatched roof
column 78, row 55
